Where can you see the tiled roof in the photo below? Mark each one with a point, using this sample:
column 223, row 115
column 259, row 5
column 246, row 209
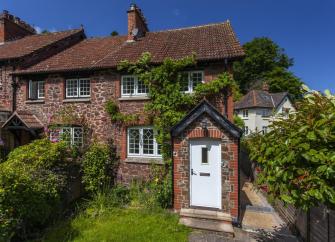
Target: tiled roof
column 207, row 42
column 28, row 119
column 29, row 44
column 258, row 98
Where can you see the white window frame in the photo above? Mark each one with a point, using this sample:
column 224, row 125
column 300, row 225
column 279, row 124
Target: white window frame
column 40, row 95
column 190, row 81
column 72, row 132
column 78, row 88
column 246, row 130
column 136, row 93
column 245, row 113
column 141, row 154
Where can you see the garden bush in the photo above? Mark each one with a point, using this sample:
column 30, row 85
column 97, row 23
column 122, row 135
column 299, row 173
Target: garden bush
column 97, row 165
column 297, row 157
column 31, row 182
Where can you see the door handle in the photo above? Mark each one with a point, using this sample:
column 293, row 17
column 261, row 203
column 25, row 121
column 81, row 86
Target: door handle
column 193, row 173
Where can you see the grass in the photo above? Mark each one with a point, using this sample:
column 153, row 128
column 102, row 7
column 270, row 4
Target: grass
column 120, row 224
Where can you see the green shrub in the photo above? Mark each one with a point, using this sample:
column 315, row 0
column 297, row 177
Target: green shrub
column 31, row 181
column 96, row 166
column 297, row 156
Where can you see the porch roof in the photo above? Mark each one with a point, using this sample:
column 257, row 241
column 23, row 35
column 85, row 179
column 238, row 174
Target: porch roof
column 23, row 118
column 204, row 107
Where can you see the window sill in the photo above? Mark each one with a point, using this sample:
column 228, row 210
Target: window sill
column 134, row 98
column 144, row 160
column 76, row 100
column 34, row 101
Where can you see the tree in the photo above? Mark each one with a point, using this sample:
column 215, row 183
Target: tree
column 297, row 157
column 114, row 33
column 266, row 61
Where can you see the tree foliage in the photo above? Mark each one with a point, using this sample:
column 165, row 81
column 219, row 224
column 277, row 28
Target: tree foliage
column 266, row 61
column 297, row 157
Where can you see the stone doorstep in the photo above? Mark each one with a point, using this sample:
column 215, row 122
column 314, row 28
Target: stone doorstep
column 205, row 224
column 205, row 214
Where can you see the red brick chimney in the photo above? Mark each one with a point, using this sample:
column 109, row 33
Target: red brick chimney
column 12, row 27
column 137, row 24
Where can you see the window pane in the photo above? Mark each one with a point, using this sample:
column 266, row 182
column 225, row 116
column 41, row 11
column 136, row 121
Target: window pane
column 204, row 155
column 196, row 78
column 55, row 135
column 134, row 141
column 141, row 87
column 40, row 87
column 77, row 136
column 184, row 84
column 33, row 86
column 66, row 135
column 128, row 85
column 148, row 141
column 84, row 87
column 72, row 88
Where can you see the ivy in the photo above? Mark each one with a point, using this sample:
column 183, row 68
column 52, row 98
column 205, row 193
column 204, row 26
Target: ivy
column 168, row 103
column 116, row 116
column 297, row 157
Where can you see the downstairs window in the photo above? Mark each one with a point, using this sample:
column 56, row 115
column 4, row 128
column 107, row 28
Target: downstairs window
column 74, row 136
column 142, row 142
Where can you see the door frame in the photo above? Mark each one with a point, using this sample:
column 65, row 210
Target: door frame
column 218, row 169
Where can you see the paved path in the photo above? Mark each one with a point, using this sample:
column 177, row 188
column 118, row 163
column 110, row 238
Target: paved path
column 260, row 222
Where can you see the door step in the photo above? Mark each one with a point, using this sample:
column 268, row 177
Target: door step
column 207, row 220
column 205, row 224
column 205, row 214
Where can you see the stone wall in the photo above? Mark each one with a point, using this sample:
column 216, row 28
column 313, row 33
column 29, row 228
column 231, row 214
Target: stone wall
column 105, row 85
column 229, row 166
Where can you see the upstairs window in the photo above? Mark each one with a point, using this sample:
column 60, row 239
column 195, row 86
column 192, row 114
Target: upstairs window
column 132, row 86
column 245, row 113
column 265, row 112
column 189, row 80
column 36, row 90
column 74, row 136
column 78, row 88
column 142, row 142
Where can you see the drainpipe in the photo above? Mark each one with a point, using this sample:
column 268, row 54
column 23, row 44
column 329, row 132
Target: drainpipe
column 239, row 185
column 172, row 169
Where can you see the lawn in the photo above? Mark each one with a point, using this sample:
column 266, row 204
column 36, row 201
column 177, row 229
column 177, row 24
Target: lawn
column 127, row 224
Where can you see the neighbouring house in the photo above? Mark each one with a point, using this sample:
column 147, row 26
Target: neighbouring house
column 21, row 47
column 258, row 108
column 80, row 79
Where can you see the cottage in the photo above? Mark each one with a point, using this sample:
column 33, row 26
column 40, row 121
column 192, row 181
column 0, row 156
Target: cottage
column 258, row 108
column 21, row 47
column 81, row 78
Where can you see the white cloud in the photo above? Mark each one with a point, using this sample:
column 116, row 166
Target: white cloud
column 38, row 29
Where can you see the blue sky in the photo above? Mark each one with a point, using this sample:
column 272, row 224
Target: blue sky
column 304, row 28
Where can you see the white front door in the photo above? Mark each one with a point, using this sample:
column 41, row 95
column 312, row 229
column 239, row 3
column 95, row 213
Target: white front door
column 205, row 173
